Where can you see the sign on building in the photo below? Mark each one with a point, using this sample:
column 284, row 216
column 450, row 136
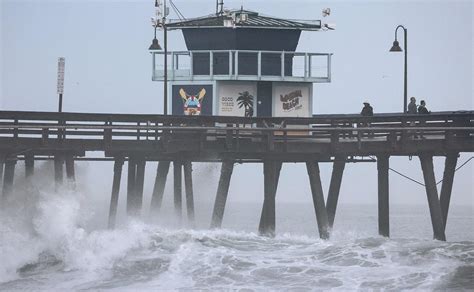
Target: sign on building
column 61, row 65
column 236, row 99
column 192, row 100
column 292, row 100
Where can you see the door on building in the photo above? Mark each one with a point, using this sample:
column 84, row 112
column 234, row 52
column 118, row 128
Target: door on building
column 264, row 99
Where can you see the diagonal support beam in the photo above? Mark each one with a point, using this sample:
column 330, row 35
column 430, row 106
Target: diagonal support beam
column 447, row 186
column 318, row 199
column 159, row 187
column 432, row 194
column 335, row 187
column 222, row 192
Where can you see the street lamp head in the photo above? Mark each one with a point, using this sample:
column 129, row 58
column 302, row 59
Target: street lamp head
column 155, row 46
column 396, row 47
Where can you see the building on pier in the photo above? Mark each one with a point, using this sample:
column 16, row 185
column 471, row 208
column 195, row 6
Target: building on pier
column 242, row 63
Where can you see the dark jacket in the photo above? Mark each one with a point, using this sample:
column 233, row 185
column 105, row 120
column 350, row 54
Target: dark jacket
column 422, row 110
column 367, row 110
column 411, row 108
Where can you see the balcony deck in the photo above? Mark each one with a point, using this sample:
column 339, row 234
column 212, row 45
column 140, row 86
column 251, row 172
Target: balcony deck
column 243, row 65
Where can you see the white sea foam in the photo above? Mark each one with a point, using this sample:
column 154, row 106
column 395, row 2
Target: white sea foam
column 56, row 250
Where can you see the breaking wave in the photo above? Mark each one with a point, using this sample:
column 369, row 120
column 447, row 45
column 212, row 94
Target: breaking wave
column 55, row 252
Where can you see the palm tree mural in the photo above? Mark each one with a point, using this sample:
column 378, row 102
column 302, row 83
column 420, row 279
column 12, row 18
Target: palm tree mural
column 245, row 100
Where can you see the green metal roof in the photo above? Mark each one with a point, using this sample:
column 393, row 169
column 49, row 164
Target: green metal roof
column 254, row 20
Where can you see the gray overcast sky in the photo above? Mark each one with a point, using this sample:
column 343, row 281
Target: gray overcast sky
column 108, row 69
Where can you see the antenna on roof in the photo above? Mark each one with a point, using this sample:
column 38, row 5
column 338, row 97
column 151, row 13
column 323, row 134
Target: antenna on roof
column 219, row 7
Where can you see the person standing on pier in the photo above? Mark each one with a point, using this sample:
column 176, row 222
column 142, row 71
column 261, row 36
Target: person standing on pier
column 412, row 106
column 422, row 110
column 412, row 111
column 367, row 111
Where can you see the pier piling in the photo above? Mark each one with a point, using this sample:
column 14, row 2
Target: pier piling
column 118, row 165
column 188, row 184
column 159, row 187
column 29, row 165
column 70, row 170
column 334, row 188
column 2, row 165
column 8, row 176
column 432, row 194
column 58, row 169
column 383, row 195
column 178, row 189
column 318, row 199
column 447, row 185
column 222, row 192
column 139, row 184
column 267, row 224
column 132, row 171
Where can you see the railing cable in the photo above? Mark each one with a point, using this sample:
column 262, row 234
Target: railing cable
column 420, row 183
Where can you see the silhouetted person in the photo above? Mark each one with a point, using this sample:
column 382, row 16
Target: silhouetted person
column 367, row 111
column 422, row 110
column 412, row 110
column 412, row 106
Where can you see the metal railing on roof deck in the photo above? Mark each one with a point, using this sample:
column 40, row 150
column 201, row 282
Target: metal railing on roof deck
column 243, row 65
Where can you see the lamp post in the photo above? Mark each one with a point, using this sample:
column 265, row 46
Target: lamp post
column 396, row 48
column 155, row 46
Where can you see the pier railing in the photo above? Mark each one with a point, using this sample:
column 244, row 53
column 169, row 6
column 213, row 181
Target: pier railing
column 322, row 128
column 249, row 65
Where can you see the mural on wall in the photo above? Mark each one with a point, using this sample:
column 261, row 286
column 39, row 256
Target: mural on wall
column 192, row 100
column 236, row 99
column 245, row 100
column 292, row 100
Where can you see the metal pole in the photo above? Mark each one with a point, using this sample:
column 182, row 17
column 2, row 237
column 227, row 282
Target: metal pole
column 405, row 92
column 165, row 85
column 60, row 108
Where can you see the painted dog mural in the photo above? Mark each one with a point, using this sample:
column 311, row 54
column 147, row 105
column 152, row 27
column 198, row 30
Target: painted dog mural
column 192, row 103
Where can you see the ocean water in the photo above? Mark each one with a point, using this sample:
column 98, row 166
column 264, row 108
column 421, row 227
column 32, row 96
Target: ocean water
column 53, row 241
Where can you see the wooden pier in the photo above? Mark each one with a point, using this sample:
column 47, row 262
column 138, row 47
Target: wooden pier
column 139, row 139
